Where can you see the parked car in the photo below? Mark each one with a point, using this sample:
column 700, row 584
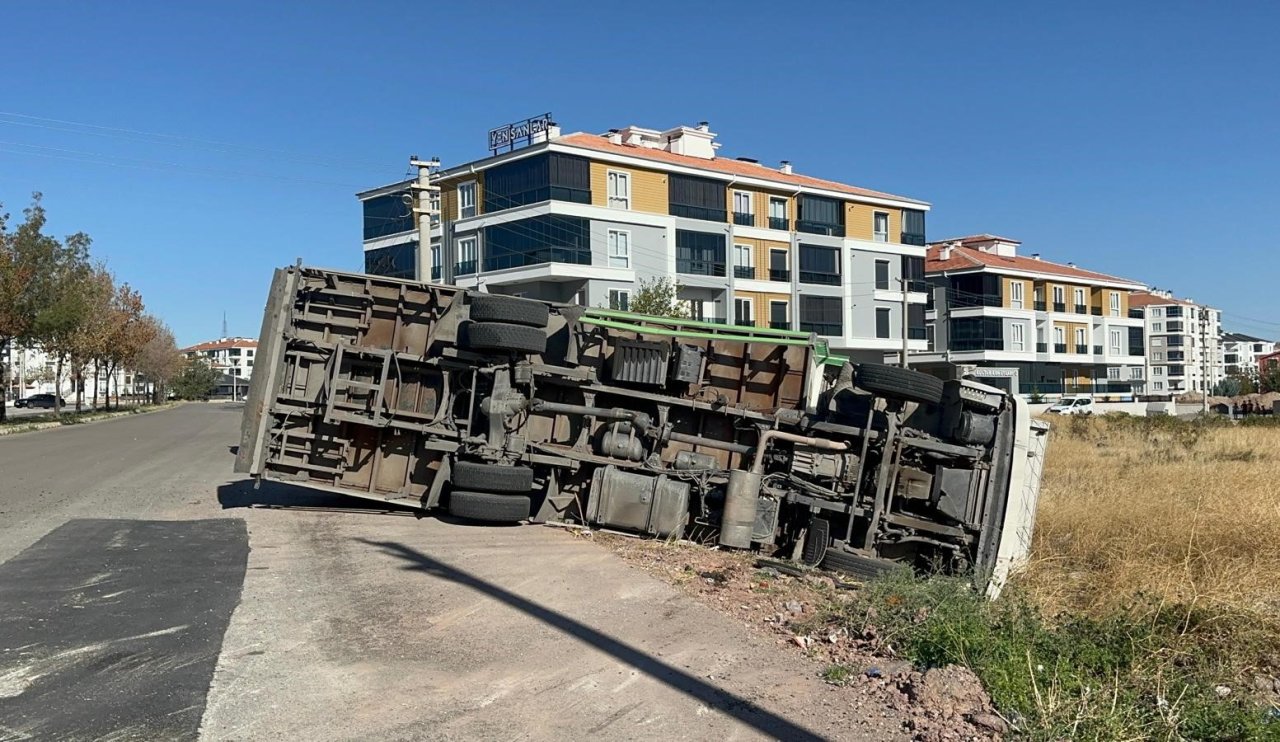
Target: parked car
column 45, row 401
column 1073, row 406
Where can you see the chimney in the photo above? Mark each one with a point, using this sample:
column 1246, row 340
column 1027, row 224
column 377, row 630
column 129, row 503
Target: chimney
column 614, row 136
column 704, row 126
column 1071, row 265
column 1035, row 256
column 945, row 253
column 553, row 131
column 786, row 167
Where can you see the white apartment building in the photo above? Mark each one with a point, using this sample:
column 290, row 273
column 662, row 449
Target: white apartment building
column 1184, row 343
column 1034, row 327
column 587, row 217
column 231, row 355
column 32, row 371
column 1240, row 353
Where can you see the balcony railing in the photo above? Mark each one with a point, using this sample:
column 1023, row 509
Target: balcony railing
column 1082, row 309
column 465, row 267
column 698, row 212
column 1042, row 347
column 779, row 274
column 822, row 328
column 1095, row 311
column 1059, row 347
column 910, row 238
column 779, row 325
column 1039, row 306
column 744, row 271
column 833, row 230
column 1136, row 314
column 1097, row 350
column 965, row 344
column 744, row 220
column 700, row 267
column 826, row 279
column 1059, row 306
column 1137, row 350
column 537, row 257
column 779, row 222
column 917, row 333
column 918, row 285
column 963, row 301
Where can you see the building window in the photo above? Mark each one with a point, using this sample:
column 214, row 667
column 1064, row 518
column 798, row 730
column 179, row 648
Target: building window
column 1080, row 305
column 1059, row 298
column 1082, row 344
column 467, row 199
column 1157, row 370
column 1115, row 304
column 881, row 226
column 620, row 299
column 696, row 198
column 820, row 265
column 395, row 261
column 1113, row 373
column 819, row 215
column 976, row 333
column 882, row 322
column 530, row 180
column 1157, row 327
column 1159, row 386
column 435, row 262
column 882, row 274
column 1018, row 336
column 387, row 215
column 1155, row 311
column 913, row 227
column 778, row 318
column 822, row 315
column 1115, row 342
column 1135, row 372
column 743, row 213
column 547, row 238
column 1059, row 340
column 743, row 312
column 619, row 189
column 778, row 213
column 467, row 262
column 743, row 262
column 700, row 253
column 1017, row 294
column 619, row 248
column 778, row 268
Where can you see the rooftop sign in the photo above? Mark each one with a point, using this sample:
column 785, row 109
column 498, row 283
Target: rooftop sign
column 520, row 132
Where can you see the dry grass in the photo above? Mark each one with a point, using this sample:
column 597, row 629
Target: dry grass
column 1176, row 513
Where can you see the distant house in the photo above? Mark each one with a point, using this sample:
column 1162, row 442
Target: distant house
column 232, row 356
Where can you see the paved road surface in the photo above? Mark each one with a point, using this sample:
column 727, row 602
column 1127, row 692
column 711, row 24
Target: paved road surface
column 172, row 601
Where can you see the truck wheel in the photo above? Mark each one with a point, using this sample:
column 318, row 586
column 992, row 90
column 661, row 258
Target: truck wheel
column 509, row 309
column 837, row 560
column 502, row 336
column 899, row 383
column 815, row 542
column 472, row 475
column 488, row 507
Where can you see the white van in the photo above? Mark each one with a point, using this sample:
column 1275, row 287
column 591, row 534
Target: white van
column 1073, row 406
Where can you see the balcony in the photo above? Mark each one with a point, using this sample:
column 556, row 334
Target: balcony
column 700, row 267
column 918, row 285
column 1137, row 350
column 1097, row 350
column 698, row 212
column 1042, row 347
column 917, row 333
column 779, row 274
column 964, row 301
column 1082, row 309
column 1136, row 314
column 1095, row 311
column 1039, row 306
column 1059, row 306
column 779, row 325
column 825, row 279
column 1059, row 347
column 831, row 230
column 969, row 344
column 911, row 238
column 744, row 271
column 1173, row 327
column 744, row 220
column 465, row 267
column 779, row 222
column 833, row 329
column 537, row 257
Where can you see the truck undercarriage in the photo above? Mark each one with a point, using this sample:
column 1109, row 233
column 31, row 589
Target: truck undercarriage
column 496, row 408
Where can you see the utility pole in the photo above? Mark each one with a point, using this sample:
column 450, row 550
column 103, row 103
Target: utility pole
column 902, row 282
column 1204, row 361
column 425, row 212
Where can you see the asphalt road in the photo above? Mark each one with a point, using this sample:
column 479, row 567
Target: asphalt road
column 148, row 594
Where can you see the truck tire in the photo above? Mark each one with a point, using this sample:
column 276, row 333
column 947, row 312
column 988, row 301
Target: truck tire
column 488, row 507
column 815, row 542
column 838, row 560
column 473, row 475
column 508, row 309
column 899, row 383
column 501, row 336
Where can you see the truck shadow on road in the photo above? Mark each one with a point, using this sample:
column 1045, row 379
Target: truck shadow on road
column 277, row 495
column 764, row 721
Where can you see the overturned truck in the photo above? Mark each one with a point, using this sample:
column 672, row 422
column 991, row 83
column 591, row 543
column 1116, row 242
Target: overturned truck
column 497, row 408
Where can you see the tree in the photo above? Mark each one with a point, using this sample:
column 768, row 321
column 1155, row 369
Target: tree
column 196, row 380
column 157, row 358
column 1269, row 379
column 64, row 304
column 659, row 298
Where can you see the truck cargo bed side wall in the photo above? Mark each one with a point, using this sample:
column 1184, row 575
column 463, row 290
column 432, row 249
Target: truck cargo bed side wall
column 264, row 384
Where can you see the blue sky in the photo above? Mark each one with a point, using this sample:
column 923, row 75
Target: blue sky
column 1138, row 139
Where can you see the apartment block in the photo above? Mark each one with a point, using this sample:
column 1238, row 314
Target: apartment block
column 1184, row 343
column 1240, row 353
column 586, row 217
column 1030, row 325
column 232, row 356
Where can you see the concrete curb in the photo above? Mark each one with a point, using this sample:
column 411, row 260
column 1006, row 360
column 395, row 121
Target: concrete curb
column 33, row 427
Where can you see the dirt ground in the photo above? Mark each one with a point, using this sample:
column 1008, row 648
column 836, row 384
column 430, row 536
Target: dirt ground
column 932, row 705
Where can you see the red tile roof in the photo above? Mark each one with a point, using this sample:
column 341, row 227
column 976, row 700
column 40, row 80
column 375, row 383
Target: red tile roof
column 722, row 165
column 222, row 344
column 963, row 258
column 1148, row 299
column 978, row 238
